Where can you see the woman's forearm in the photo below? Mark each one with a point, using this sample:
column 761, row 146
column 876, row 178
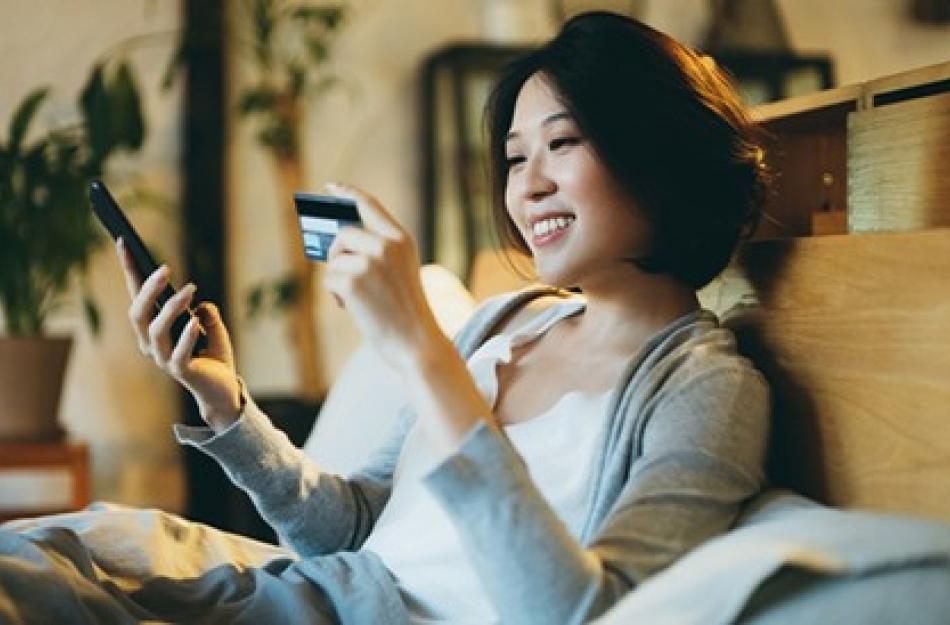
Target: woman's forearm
column 441, row 389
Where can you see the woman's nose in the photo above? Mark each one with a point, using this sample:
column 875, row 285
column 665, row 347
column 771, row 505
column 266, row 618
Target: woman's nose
column 537, row 182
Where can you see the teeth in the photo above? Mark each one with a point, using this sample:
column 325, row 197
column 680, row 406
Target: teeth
column 545, row 226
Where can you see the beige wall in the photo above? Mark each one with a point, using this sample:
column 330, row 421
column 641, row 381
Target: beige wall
column 372, row 141
column 114, row 398
column 369, row 139
column 866, row 38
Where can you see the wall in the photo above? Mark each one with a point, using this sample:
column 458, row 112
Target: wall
column 866, row 38
column 371, row 138
column 114, row 398
column 365, row 134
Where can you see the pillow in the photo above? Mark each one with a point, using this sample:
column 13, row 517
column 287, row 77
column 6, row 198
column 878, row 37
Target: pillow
column 791, row 561
column 365, row 396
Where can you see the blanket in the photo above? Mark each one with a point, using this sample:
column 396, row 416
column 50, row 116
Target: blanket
column 113, row 564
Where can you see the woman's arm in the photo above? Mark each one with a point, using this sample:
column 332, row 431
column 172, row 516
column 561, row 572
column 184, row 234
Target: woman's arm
column 703, row 455
column 374, row 273
column 315, row 512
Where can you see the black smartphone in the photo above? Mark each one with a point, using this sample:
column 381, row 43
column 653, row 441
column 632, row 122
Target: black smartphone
column 118, row 225
column 321, row 217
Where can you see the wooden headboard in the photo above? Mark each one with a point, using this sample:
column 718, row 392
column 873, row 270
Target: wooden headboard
column 853, row 332
column 852, row 329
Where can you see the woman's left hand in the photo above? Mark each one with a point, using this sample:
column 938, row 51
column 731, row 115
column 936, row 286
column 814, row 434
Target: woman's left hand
column 373, row 272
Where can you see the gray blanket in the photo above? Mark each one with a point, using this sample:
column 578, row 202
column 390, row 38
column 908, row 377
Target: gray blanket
column 112, row 564
column 119, row 565
column 791, row 561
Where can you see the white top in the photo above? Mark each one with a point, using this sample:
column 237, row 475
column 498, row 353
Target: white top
column 417, row 540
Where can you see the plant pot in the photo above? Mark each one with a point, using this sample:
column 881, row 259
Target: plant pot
column 31, row 384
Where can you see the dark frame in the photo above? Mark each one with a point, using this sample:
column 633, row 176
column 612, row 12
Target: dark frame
column 204, row 220
column 460, row 61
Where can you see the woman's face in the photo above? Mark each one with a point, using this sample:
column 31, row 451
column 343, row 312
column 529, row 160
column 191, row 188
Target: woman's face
column 572, row 213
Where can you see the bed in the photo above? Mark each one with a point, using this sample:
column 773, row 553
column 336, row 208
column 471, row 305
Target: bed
column 853, row 331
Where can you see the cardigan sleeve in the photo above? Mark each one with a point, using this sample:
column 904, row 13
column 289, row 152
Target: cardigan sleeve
column 313, row 511
column 703, row 455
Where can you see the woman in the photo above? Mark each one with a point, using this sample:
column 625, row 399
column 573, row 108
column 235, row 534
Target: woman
column 572, row 442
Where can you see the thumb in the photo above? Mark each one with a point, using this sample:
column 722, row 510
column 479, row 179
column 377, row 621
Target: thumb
column 219, row 341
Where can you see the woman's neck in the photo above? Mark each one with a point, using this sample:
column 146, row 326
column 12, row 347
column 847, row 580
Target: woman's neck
column 631, row 305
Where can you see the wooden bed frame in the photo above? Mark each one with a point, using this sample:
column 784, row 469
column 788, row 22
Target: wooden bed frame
column 853, row 332
column 852, row 329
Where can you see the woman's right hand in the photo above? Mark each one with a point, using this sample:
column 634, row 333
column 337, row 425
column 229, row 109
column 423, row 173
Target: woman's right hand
column 211, row 376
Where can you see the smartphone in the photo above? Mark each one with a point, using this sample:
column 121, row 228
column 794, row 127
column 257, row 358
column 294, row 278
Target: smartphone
column 321, row 217
column 118, row 225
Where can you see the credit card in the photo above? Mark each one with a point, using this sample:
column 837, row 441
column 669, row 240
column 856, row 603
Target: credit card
column 321, row 217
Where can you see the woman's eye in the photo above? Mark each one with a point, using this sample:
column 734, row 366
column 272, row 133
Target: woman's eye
column 562, row 141
column 511, row 161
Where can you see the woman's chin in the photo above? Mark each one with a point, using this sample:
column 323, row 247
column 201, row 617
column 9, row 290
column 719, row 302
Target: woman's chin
column 556, row 277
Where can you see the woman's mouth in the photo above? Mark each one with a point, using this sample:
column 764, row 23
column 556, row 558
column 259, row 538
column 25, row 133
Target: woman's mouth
column 548, row 230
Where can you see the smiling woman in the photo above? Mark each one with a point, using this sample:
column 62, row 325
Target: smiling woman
column 677, row 146
column 566, row 206
column 568, row 445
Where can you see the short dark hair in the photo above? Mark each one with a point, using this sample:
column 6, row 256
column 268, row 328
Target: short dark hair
column 668, row 125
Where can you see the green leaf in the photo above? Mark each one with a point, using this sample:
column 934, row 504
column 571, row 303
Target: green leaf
column 94, row 103
column 329, row 16
column 20, row 122
column 274, row 296
column 93, row 315
column 176, row 63
column 6, row 172
column 112, row 112
column 286, row 292
column 257, row 99
column 298, row 78
column 278, row 136
column 255, row 302
column 319, row 50
column 262, row 18
column 128, row 122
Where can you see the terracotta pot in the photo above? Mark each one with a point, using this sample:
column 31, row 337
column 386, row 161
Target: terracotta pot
column 31, row 383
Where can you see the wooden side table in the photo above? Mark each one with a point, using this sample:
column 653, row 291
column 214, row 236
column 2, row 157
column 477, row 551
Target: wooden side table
column 73, row 458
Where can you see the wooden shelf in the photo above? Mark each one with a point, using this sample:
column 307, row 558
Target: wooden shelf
column 73, row 458
column 839, row 164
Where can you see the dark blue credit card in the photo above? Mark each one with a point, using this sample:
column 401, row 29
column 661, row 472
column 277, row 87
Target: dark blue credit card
column 321, row 217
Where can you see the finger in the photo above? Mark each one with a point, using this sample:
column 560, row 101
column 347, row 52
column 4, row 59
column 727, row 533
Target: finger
column 348, row 265
column 142, row 309
column 219, row 339
column 338, row 286
column 133, row 281
column 352, row 240
column 159, row 331
column 181, row 355
column 371, row 211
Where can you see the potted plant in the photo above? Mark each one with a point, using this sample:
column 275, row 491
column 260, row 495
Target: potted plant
column 47, row 236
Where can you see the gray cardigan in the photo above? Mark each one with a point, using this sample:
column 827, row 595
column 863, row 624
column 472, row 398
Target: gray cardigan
column 688, row 427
